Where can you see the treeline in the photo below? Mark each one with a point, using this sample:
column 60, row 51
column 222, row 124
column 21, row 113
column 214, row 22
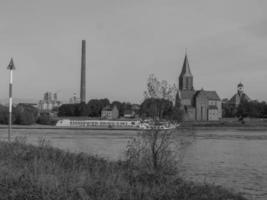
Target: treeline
column 150, row 108
column 253, row 109
column 92, row 109
column 24, row 114
column 161, row 109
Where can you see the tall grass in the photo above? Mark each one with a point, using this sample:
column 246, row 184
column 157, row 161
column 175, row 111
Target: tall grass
column 31, row 172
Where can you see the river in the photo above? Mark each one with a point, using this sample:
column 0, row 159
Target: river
column 235, row 159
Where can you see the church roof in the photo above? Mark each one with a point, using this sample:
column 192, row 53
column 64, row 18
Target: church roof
column 190, row 94
column 212, row 95
column 186, row 69
column 109, row 108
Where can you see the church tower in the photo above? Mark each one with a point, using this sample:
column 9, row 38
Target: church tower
column 186, row 77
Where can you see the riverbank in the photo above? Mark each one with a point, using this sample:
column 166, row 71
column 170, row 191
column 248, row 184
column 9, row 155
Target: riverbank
column 183, row 126
column 30, row 172
column 224, row 124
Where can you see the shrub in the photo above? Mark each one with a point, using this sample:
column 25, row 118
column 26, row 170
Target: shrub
column 151, row 153
column 46, row 119
column 3, row 114
column 25, row 114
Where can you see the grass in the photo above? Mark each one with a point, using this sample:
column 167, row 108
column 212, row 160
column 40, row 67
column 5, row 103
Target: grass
column 33, row 173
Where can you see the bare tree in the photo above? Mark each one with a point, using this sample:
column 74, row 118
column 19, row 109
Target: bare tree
column 152, row 152
column 160, row 89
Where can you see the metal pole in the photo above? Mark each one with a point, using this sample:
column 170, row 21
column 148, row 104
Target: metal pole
column 10, row 67
column 10, row 106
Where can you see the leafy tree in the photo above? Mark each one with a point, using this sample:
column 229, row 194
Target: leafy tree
column 177, row 111
column 95, row 106
column 177, row 114
column 4, row 115
column 162, row 90
column 25, row 114
column 68, row 110
column 156, row 108
column 229, row 110
column 46, row 119
column 82, row 109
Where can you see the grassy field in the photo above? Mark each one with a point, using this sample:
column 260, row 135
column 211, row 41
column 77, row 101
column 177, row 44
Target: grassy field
column 43, row 172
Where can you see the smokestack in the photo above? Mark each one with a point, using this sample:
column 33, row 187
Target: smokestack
column 83, row 73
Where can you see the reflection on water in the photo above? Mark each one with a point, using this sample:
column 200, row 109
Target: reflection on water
column 232, row 158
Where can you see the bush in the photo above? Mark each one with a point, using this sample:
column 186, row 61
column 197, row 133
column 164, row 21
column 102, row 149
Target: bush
column 151, row 153
column 25, row 114
column 46, row 119
column 3, row 114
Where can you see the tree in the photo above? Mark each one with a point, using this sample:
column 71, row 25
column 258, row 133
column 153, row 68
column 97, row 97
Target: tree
column 242, row 110
column 177, row 114
column 156, row 108
column 25, row 114
column 229, row 110
column 160, row 89
column 83, row 109
column 68, row 110
column 95, row 106
column 46, row 119
column 122, row 106
column 151, row 153
column 177, row 111
column 4, row 115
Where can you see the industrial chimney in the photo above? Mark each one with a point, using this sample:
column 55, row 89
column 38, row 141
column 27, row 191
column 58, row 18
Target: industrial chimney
column 83, row 73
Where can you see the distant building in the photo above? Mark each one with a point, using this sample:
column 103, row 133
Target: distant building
column 200, row 105
column 239, row 96
column 49, row 102
column 110, row 112
column 74, row 99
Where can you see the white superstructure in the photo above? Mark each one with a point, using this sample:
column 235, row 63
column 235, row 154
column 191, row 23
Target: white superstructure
column 133, row 124
column 98, row 123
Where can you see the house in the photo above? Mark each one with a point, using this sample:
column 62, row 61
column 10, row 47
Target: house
column 110, row 112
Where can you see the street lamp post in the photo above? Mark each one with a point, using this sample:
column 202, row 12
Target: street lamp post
column 10, row 67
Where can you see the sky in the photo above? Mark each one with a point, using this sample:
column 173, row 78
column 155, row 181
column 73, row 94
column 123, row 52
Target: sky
column 226, row 42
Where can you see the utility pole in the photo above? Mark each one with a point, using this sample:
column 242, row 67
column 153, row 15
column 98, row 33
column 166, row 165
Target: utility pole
column 10, row 67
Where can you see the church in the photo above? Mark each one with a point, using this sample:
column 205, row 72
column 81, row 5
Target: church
column 239, row 96
column 197, row 105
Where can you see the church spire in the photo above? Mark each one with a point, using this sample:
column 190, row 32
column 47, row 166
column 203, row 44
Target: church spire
column 186, row 77
column 186, row 69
